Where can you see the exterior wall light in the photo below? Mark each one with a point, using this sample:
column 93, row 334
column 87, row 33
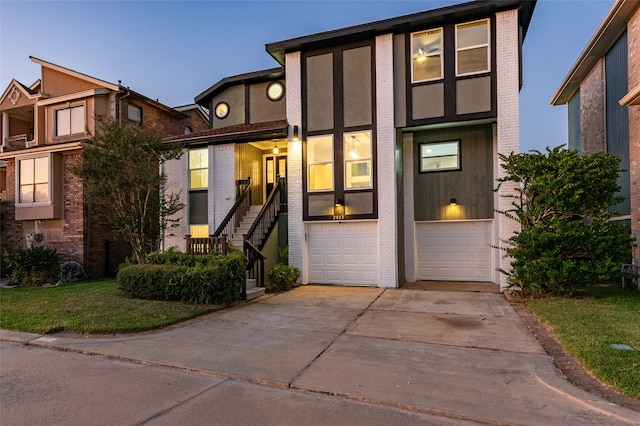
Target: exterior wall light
column 453, row 202
column 275, row 149
column 296, row 134
column 338, row 210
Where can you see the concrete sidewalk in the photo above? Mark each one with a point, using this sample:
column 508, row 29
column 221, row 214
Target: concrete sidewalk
column 411, row 356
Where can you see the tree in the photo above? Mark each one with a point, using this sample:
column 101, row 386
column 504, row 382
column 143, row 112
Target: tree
column 120, row 172
column 562, row 200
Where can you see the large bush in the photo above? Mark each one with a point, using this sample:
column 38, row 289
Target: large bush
column 33, row 266
column 567, row 239
column 209, row 279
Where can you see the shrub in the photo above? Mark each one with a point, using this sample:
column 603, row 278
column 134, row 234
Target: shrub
column 32, row 267
column 281, row 277
column 209, row 279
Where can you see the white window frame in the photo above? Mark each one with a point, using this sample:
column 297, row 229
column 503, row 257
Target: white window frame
column 446, row 169
column 69, row 107
column 19, row 201
column 333, row 178
column 347, row 161
column 475, row 46
column 441, row 54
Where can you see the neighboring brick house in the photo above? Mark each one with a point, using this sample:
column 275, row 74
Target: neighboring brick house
column 602, row 94
column 387, row 134
column 43, row 129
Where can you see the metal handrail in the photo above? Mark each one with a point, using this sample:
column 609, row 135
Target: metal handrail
column 266, row 219
column 232, row 219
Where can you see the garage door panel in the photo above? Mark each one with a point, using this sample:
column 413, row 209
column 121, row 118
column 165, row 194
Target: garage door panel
column 343, row 253
column 454, row 251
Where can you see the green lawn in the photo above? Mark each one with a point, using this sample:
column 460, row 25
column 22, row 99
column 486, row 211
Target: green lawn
column 93, row 307
column 587, row 327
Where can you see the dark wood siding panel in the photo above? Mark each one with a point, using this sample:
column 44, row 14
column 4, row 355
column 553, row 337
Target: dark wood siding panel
column 617, row 116
column 249, row 164
column 472, row 186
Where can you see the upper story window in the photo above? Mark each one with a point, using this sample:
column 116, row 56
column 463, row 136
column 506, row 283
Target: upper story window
column 134, row 113
column 426, row 50
column 199, row 168
column 441, row 156
column 33, row 180
column 472, row 47
column 70, row 120
column 357, row 160
column 320, row 163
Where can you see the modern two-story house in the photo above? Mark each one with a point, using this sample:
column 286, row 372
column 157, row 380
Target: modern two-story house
column 602, row 94
column 383, row 138
column 43, row 129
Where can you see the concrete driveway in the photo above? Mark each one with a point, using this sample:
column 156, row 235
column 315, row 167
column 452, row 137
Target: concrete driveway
column 317, row 355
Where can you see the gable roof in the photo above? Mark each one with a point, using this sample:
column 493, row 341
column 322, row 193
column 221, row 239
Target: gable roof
column 27, row 91
column 403, row 24
column 251, row 77
column 611, row 28
column 73, row 73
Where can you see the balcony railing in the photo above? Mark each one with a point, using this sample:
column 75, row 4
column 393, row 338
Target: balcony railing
column 15, row 143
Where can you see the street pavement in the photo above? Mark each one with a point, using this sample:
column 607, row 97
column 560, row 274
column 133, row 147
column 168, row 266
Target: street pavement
column 315, row 355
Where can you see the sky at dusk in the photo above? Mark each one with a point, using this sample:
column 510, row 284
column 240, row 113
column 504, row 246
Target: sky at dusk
column 174, row 50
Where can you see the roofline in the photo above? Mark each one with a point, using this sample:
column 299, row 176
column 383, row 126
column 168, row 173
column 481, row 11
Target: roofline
column 405, row 23
column 238, row 136
column 74, row 73
column 236, row 79
column 631, row 98
column 22, row 88
column 605, row 36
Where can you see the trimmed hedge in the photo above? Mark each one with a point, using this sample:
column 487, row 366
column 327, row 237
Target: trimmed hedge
column 207, row 279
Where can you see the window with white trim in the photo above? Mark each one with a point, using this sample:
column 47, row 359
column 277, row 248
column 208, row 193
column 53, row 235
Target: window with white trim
column 320, row 163
column 33, row 180
column 441, row 156
column 357, row 160
column 426, row 59
column 472, row 47
column 70, row 120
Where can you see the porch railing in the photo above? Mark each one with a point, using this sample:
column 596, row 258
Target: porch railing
column 206, row 245
column 234, row 217
column 257, row 236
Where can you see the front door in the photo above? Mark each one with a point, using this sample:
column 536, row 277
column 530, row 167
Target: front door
column 275, row 167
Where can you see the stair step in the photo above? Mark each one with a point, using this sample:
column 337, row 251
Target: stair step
column 255, row 293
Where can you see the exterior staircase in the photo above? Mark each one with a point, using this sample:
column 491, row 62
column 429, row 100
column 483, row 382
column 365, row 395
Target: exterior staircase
column 237, row 240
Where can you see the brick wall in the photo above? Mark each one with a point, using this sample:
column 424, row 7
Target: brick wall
column 12, row 235
column 409, row 215
column 222, row 183
column 386, row 174
column 294, row 166
column 508, row 126
column 177, row 183
column 592, row 111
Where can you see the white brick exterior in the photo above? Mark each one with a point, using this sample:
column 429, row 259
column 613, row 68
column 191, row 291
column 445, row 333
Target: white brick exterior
column 297, row 245
column 508, row 126
column 177, row 174
column 386, row 152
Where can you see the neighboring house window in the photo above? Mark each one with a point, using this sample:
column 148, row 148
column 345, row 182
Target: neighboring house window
column 426, row 49
column 320, row 163
column 472, row 47
column 70, row 121
column 198, row 194
column 357, row 160
column 441, row 156
column 134, row 113
column 33, row 180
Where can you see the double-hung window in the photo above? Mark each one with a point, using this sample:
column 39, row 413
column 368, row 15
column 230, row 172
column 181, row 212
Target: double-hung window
column 320, row 163
column 426, row 50
column 472, row 47
column 198, row 194
column 70, row 120
column 441, row 156
column 33, row 180
column 357, row 160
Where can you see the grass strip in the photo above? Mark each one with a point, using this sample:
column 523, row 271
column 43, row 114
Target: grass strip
column 588, row 326
column 90, row 307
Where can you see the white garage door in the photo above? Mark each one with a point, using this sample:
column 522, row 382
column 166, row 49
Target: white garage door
column 454, row 251
column 343, row 253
